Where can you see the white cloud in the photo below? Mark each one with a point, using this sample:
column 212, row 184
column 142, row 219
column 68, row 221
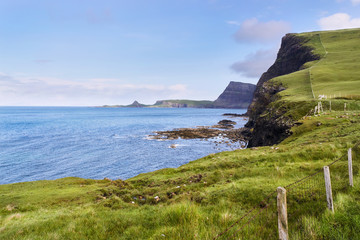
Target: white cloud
column 339, row 21
column 255, row 64
column 354, row 2
column 252, row 30
column 233, row 23
column 52, row 91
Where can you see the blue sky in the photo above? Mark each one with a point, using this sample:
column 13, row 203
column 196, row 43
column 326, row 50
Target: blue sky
column 95, row 52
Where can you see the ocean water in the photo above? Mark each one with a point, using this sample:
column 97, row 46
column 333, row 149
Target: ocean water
column 38, row 143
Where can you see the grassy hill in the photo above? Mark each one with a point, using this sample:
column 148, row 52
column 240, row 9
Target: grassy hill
column 335, row 75
column 201, row 199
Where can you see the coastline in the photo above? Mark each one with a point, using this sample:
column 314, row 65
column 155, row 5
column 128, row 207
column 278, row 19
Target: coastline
column 52, row 157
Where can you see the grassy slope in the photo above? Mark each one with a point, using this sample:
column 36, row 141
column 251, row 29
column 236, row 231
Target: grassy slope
column 202, row 198
column 190, row 103
column 336, row 74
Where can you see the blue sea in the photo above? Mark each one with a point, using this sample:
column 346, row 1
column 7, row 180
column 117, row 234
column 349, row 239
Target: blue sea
column 38, row 143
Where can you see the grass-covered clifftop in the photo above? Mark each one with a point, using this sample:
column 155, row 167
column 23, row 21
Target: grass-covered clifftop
column 203, row 198
column 309, row 67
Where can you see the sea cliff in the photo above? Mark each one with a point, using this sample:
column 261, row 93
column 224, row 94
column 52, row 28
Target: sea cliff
column 269, row 125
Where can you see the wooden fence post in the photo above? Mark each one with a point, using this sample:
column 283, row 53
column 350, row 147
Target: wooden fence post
column 282, row 214
column 350, row 167
column 329, row 197
column 330, row 105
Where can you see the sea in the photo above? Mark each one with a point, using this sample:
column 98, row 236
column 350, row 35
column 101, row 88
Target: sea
column 44, row 143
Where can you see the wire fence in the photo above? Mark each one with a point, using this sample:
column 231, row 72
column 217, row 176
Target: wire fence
column 305, row 197
column 258, row 222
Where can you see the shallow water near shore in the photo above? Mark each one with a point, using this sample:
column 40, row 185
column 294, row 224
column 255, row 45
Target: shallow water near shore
column 38, row 143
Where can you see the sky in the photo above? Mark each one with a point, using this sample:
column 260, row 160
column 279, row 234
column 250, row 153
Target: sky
column 97, row 52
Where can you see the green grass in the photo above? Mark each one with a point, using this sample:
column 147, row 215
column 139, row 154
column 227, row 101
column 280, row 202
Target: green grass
column 201, row 199
column 336, row 74
column 190, row 207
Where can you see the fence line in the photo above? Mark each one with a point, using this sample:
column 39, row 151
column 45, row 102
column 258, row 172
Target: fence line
column 249, row 216
column 307, row 193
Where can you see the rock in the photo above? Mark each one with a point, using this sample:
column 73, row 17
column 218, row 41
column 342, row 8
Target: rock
column 225, row 124
column 236, row 95
column 136, row 104
column 234, row 115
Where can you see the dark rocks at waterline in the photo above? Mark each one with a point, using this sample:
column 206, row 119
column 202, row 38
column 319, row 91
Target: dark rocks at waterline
column 234, row 135
column 186, row 133
column 234, row 115
column 225, row 124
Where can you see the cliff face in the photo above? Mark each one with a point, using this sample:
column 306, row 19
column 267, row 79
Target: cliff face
column 269, row 125
column 236, row 95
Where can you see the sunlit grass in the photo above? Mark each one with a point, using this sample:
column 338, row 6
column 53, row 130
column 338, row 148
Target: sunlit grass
column 201, row 199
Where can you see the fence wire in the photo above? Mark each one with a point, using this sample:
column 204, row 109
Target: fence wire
column 258, row 223
column 305, row 197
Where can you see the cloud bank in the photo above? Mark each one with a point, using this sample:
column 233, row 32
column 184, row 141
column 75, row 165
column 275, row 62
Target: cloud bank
column 20, row 91
column 339, row 21
column 255, row 64
column 252, row 30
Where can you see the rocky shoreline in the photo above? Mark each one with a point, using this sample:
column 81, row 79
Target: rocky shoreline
column 224, row 131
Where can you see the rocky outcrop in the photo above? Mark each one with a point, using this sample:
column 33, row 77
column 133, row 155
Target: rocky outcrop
column 268, row 124
column 136, row 104
column 236, row 95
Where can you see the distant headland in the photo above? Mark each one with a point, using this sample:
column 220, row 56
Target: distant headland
column 236, row 95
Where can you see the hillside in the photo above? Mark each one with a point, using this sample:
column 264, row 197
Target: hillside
column 202, row 199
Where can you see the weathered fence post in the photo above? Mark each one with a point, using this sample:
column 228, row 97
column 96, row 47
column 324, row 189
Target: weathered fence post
column 329, row 197
column 330, row 106
column 344, row 107
column 282, row 214
column 350, row 167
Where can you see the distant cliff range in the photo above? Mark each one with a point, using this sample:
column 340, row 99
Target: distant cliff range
column 236, row 95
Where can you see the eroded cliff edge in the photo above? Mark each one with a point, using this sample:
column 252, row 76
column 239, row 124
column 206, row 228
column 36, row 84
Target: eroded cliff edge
column 268, row 122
